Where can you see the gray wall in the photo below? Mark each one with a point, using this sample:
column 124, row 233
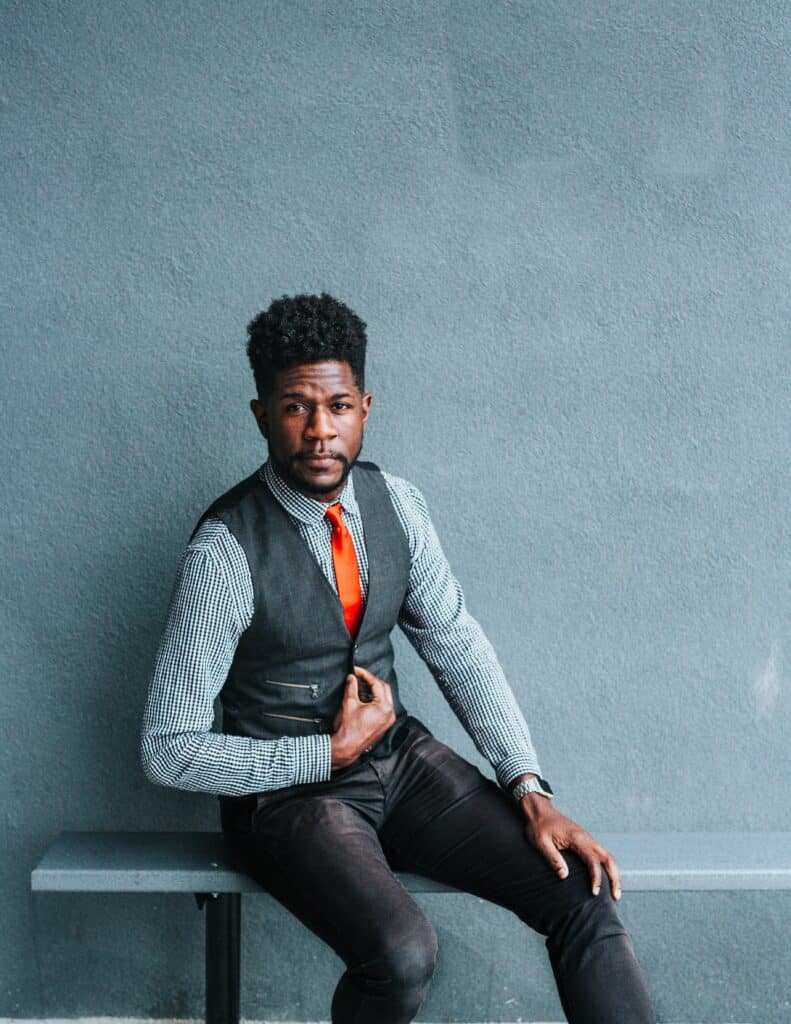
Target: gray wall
column 567, row 228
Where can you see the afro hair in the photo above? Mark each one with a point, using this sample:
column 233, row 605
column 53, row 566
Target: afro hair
column 304, row 329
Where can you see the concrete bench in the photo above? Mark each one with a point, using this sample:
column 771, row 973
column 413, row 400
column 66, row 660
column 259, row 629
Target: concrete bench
column 198, row 863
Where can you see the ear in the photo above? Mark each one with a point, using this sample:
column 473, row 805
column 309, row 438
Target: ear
column 366, row 404
column 259, row 411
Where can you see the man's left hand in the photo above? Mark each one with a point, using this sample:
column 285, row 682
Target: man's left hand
column 550, row 831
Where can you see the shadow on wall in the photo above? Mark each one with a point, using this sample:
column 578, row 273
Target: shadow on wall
column 646, row 86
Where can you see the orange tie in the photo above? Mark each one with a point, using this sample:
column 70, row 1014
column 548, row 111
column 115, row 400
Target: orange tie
column 347, row 573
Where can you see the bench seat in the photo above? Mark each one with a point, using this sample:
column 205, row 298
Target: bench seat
column 198, row 863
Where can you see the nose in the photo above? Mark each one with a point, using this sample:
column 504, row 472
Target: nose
column 320, row 424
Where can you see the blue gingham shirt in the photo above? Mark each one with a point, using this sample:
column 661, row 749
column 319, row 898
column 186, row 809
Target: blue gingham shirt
column 211, row 606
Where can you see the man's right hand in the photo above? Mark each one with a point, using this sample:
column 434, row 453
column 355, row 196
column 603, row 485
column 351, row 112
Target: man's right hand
column 360, row 723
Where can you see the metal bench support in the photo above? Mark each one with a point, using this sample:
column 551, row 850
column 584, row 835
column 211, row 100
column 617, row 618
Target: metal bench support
column 223, row 954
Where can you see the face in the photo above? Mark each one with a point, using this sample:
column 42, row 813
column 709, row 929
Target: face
column 314, row 409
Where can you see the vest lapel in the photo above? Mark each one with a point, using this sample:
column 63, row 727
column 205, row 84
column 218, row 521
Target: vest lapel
column 300, row 555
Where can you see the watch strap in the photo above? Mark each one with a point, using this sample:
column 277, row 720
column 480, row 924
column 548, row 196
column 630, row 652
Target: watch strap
column 532, row 785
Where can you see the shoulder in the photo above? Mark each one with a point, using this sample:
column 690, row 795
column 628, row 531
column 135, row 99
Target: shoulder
column 213, row 535
column 411, row 509
column 406, row 497
column 212, row 538
column 237, row 494
column 214, row 541
column 214, row 551
column 405, row 493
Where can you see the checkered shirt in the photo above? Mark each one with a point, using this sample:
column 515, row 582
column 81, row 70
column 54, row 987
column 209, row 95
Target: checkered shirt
column 211, row 605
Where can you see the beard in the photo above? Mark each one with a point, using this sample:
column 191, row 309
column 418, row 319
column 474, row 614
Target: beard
column 315, row 488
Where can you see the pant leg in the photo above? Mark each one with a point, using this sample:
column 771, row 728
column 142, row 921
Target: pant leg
column 448, row 821
column 321, row 858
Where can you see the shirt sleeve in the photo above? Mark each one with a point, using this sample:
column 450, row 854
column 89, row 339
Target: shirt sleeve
column 435, row 620
column 202, row 629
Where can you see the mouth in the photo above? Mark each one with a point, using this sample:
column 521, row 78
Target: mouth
column 319, row 461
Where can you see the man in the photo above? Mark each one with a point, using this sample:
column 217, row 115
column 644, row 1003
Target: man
column 283, row 605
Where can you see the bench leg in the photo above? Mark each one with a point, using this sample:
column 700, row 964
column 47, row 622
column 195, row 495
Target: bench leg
column 223, row 947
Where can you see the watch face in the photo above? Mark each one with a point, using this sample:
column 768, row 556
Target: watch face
column 544, row 784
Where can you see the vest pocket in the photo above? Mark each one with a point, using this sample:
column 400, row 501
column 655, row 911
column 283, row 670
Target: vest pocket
column 291, row 708
column 312, row 687
column 295, row 725
column 295, row 718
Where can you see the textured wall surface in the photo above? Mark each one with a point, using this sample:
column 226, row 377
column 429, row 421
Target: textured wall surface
column 566, row 226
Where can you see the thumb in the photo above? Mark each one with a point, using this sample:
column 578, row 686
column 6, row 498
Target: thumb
column 351, row 685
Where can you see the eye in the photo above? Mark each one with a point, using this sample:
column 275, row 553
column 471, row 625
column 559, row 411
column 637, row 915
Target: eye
column 342, row 405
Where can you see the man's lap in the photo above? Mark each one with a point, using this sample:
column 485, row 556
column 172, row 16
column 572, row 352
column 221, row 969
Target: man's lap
column 326, row 847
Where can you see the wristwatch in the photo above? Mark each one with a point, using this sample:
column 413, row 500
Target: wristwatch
column 536, row 785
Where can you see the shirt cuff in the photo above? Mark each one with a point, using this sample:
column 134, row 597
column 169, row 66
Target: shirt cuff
column 509, row 770
column 312, row 758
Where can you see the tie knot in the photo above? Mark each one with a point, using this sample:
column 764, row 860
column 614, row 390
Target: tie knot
column 333, row 513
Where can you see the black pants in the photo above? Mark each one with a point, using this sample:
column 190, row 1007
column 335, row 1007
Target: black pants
column 327, row 851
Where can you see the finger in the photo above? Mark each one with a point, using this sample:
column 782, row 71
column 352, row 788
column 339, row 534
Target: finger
column 366, row 685
column 379, row 688
column 351, row 692
column 588, row 849
column 594, row 867
column 367, row 676
column 612, row 870
column 552, row 854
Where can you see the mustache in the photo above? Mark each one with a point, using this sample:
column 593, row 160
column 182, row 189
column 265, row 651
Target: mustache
column 325, row 455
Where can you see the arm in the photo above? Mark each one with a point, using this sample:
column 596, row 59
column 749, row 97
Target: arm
column 436, row 622
column 461, row 659
column 210, row 606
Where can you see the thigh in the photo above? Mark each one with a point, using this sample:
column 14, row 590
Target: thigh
column 323, row 861
column 447, row 821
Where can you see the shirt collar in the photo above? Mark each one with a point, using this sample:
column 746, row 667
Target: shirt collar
column 301, row 506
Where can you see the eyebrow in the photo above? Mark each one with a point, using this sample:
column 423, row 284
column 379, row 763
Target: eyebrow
column 299, row 394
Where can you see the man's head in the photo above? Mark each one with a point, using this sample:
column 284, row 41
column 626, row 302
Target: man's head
column 307, row 353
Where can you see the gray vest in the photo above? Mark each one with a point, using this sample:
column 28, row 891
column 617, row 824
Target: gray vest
column 288, row 672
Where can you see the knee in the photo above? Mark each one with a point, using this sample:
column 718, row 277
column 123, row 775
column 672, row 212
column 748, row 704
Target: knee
column 589, row 920
column 397, row 977
column 411, row 963
column 409, row 957
column 573, row 893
